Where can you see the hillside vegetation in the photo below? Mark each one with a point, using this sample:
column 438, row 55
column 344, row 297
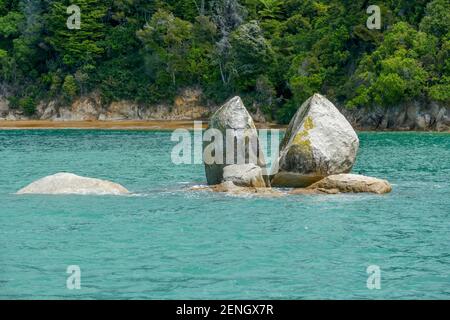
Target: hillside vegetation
column 273, row 53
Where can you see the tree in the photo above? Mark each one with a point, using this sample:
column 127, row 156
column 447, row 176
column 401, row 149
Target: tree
column 28, row 105
column 271, row 9
column 10, row 24
column 227, row 15
column 441, row 91
column 78, row 47
column 394, row 72
column 21, row 31
column 388, row 89
column 167, row 40
column 251, row 52
column 69, row 87
column 273, row 53
column 437, row 18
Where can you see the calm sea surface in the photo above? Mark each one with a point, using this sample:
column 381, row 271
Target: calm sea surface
column 166, row 243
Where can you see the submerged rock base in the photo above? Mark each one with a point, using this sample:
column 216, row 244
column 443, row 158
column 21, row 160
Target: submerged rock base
column 230, row 188
column 337, row 184
column 347, row 183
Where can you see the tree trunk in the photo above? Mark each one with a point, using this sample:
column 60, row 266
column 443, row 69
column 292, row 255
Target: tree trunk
column 201, row 7
column 174, row 79
column 224, row 81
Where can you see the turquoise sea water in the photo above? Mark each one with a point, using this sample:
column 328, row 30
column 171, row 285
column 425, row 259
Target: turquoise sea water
column 165, row 243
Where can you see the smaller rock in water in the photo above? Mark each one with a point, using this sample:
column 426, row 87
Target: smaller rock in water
column 246, row 175
column 67, row 183
column 352, row 183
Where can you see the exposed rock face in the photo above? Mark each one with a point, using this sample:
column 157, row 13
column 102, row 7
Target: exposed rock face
column 247, row 175
column 416, row 115
column 350, row 183
column 84, row 109
column 67, row 183
column 258, row 115
column 164, row 112
column 122, row 110
column 423, row 121
column 15, row 116
column 233, row 119
column 4, row 107
column 440, row 117
column 319, row 142
column 230, row 188
column 189, row 105
column 47, row 111
column 11, row 117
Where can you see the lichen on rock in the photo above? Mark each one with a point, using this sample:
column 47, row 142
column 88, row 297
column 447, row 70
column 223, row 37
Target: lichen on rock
column 319, row 142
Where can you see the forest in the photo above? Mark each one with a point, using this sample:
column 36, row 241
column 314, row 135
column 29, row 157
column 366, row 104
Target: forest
column 273, row 53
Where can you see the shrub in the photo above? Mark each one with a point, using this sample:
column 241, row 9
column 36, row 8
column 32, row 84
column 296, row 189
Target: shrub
column 28, row 105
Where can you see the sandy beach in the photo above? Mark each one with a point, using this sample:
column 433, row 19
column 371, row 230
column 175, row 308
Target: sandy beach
column 111, row 125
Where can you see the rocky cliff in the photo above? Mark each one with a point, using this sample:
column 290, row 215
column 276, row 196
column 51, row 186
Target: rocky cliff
column 189, row 105
column 419, row 116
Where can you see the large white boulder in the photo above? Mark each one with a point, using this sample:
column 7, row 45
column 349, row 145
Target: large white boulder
column 318, row 143
column 67, row 183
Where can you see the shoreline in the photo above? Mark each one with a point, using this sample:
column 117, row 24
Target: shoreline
column 140, row 125
column 146, row 125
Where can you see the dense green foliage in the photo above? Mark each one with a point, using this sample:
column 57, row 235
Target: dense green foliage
column 274, row 53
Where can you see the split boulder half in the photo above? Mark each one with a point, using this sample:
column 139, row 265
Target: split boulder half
column 239, row 148
column 318, row 143
column 67, row 183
